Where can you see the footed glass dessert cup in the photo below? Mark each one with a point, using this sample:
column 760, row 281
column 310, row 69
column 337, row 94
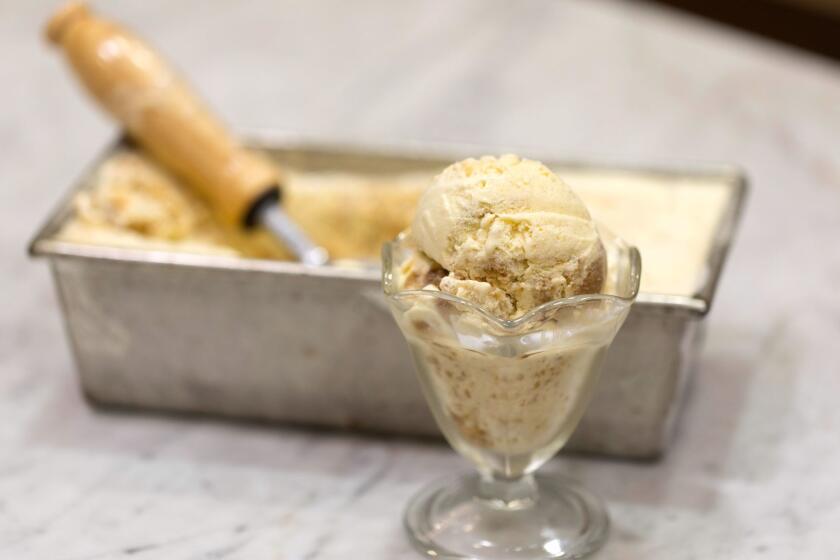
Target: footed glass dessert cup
column 507, row 394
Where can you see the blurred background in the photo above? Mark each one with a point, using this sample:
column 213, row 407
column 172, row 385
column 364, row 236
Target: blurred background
column 810, row 24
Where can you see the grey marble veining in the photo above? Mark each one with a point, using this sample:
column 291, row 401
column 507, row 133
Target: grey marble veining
column 753, row 472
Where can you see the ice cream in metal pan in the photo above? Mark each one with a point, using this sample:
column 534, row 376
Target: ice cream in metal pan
column 130, row 201
column 135, row 282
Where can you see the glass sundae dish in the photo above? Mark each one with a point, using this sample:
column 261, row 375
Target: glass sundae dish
column 507, row 384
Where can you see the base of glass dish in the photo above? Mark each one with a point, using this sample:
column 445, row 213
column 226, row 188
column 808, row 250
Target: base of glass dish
column 449, row 519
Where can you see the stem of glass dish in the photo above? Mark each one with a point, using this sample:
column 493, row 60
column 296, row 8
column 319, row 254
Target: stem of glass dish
column 508, row 493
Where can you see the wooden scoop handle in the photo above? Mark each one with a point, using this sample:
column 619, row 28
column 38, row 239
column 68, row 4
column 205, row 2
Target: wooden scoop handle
column 133, row 83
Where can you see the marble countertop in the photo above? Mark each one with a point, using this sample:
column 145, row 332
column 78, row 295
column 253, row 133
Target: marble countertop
column 753, row 472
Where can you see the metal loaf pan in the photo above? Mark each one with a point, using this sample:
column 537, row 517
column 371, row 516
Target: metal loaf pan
column 278, row 341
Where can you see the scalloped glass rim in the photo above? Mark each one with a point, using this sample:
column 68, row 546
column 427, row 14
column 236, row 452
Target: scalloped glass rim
column 610, row 240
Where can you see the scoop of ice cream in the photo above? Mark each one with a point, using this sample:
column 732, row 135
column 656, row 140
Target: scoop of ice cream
column 510, row 234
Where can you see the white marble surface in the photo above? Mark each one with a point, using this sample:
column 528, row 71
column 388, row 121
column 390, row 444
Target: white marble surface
column 755, row 470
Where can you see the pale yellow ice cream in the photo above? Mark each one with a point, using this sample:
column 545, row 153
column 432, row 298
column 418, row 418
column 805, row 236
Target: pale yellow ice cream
column 132, row 203
column 503, row 410
column 510, row 234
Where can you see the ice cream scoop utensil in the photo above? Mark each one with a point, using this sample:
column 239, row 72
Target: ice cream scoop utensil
column 159, row 111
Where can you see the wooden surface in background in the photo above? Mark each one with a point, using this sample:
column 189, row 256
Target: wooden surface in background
column 813, row 25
